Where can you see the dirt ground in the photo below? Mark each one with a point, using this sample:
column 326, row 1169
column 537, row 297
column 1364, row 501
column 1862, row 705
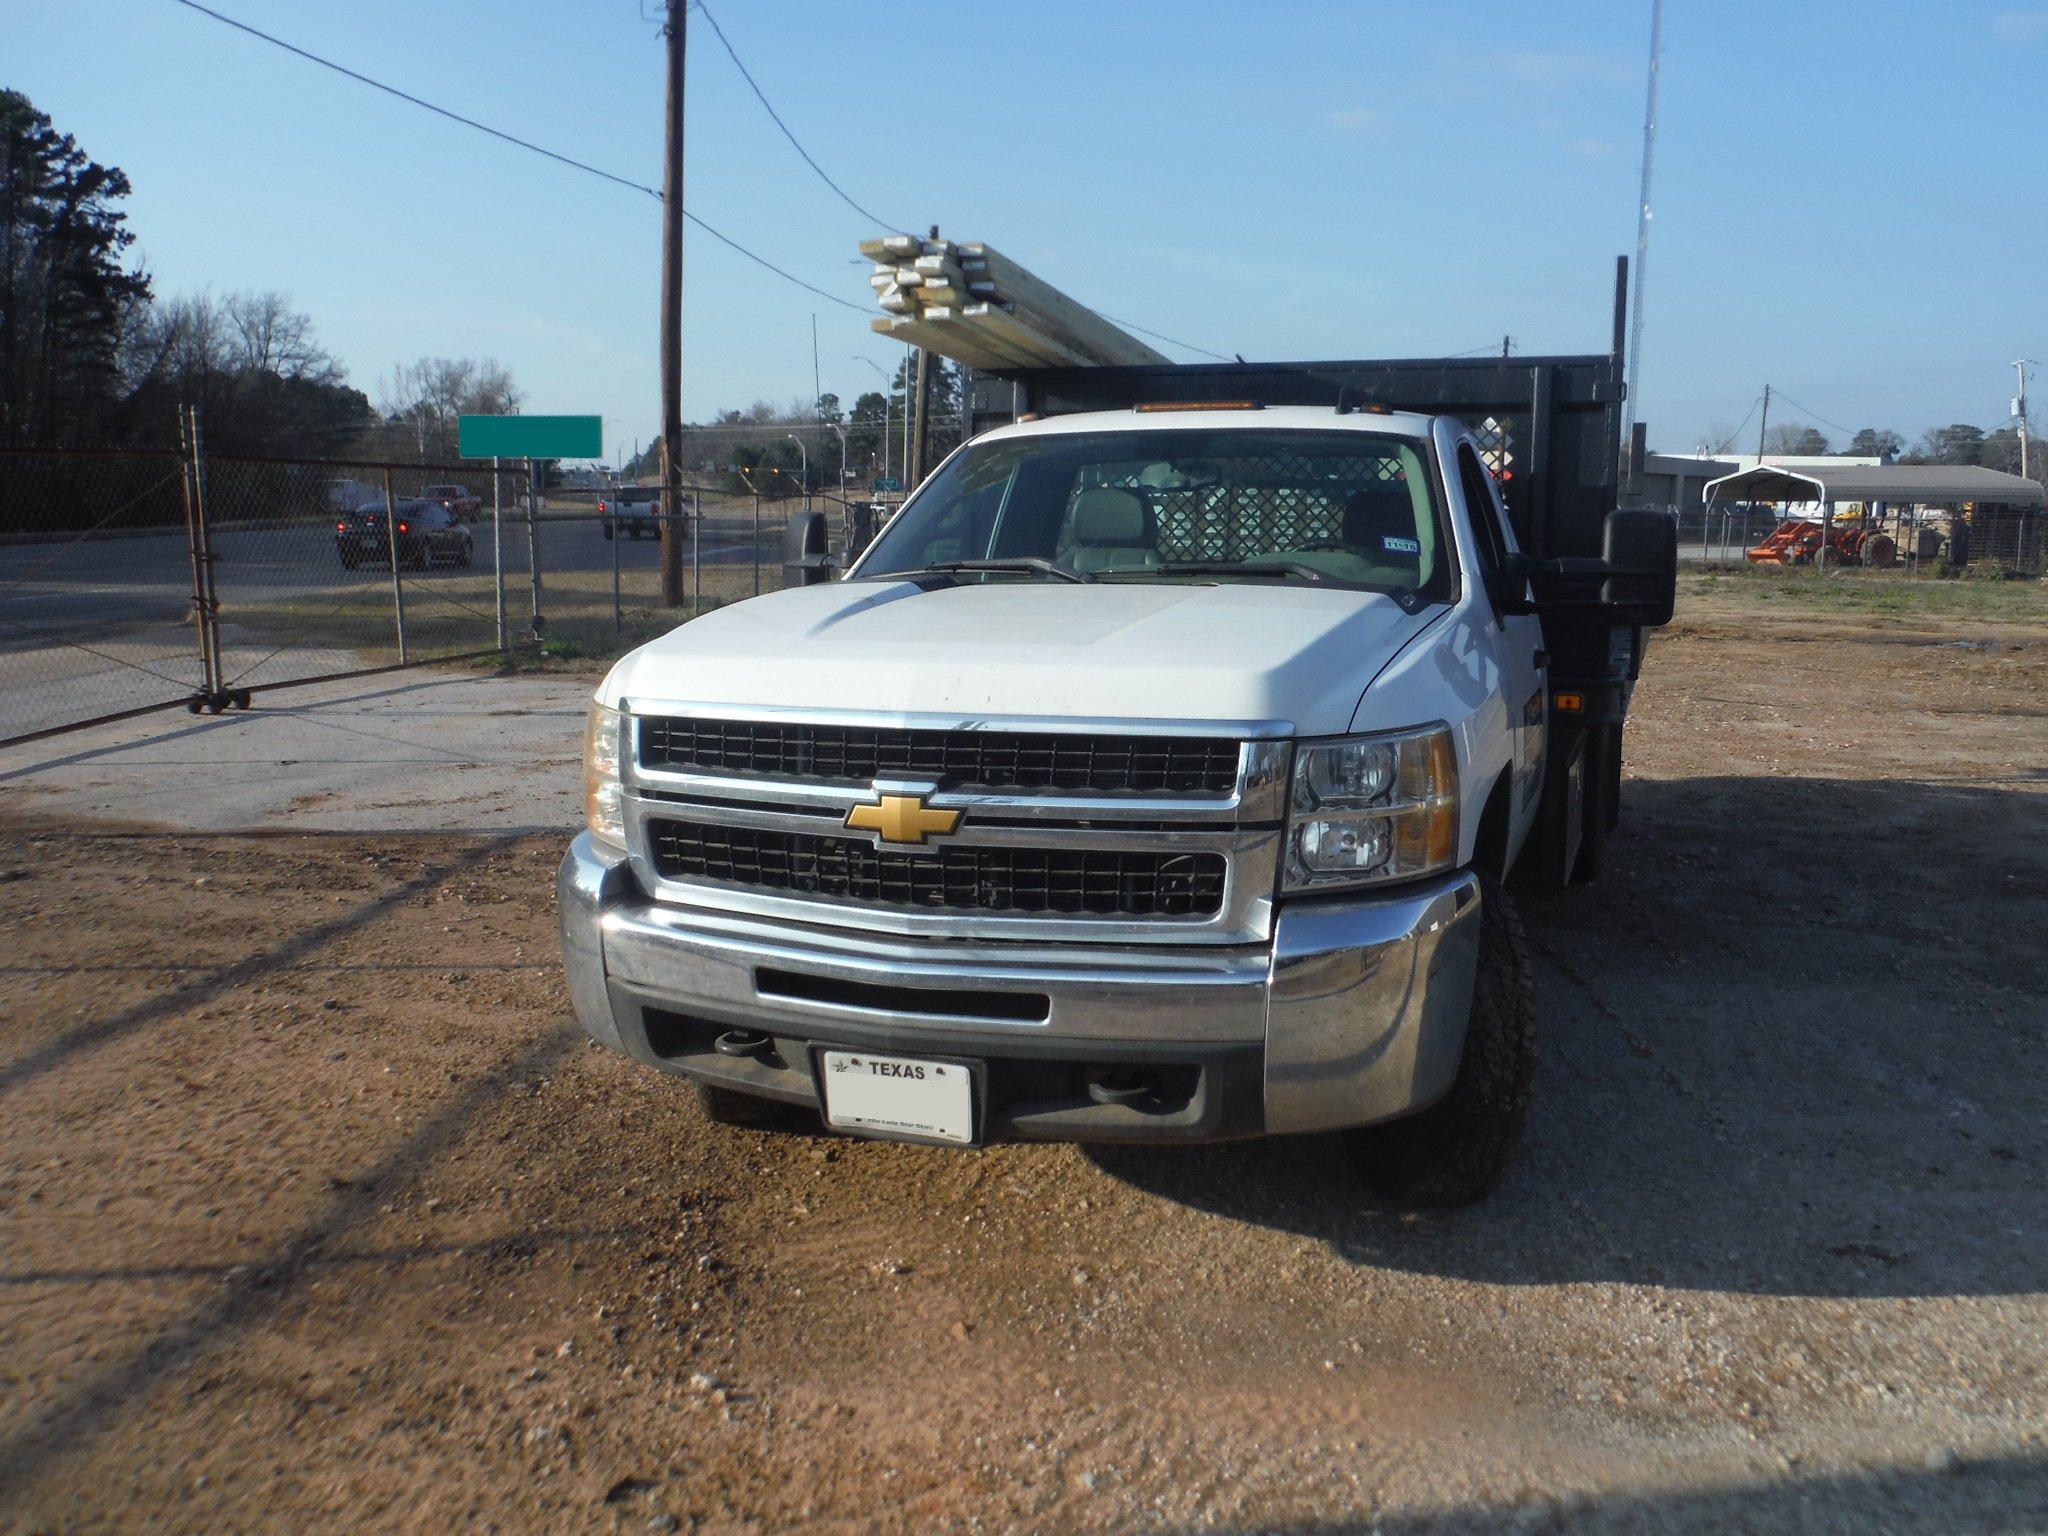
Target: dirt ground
column 316, row 1213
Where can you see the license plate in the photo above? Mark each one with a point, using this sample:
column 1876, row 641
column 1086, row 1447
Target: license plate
column 899, row 1096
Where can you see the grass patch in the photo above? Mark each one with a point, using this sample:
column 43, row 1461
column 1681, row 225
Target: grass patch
column 1877, row 594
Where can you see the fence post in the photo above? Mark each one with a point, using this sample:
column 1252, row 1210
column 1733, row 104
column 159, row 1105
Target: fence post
column 397, row 581
column 209, row 562
column 196, row 548
column 533, row 544
column 498, row 546
column 757, row 543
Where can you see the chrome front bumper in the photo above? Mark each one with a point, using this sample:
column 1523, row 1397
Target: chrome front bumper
column 1354, row 1013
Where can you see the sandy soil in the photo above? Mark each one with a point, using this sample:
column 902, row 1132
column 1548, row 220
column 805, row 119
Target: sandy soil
column 315, row 1214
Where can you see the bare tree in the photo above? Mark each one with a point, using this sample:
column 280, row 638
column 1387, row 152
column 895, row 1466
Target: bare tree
column 427, row 399
column 1796, row 438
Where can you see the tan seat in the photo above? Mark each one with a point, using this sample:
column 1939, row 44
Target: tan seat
column 1113, row 530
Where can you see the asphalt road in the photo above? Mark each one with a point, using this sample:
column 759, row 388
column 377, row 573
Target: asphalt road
column 101, row 625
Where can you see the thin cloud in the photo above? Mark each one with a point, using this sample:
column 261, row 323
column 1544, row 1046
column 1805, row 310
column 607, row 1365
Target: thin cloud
column 1552, row 67
column 2029, row 26
column 1354, row 119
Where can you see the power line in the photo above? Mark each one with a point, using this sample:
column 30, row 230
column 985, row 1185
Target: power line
column 1185, row 346
column 1729, row 441
column 768, row 107
column 392, row 90
column 847, row 198
column 513, row 139
column 1816, row 415
column 623, row 181
column 830, row 298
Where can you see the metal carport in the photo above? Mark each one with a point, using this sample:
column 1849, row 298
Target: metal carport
column 2005, row 512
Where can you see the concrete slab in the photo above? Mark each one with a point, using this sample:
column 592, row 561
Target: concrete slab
column 408, row 751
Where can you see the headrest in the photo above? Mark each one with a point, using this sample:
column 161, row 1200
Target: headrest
column 1378, row 512
column 1110, row 519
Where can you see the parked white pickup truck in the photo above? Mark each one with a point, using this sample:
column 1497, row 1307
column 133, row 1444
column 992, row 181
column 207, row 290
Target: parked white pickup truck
column 1153, row 776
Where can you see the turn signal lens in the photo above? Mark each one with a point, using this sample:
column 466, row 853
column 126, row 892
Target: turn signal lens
column 604, row 797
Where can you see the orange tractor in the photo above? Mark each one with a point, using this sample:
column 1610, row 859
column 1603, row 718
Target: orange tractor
column 1851, row 541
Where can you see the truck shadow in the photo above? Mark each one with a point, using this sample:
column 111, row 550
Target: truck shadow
column 1977, row 1496
column 1788, row 1047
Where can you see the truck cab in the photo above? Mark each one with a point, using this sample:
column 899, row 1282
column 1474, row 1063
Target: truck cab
column 1154, row 775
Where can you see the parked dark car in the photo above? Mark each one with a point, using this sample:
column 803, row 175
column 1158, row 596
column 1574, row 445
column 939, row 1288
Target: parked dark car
column 426, row 532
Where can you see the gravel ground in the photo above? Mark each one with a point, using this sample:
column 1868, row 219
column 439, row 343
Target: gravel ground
column 315, row 1214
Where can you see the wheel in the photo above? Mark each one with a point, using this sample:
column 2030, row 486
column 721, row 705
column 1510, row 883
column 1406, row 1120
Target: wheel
column 722, row 1106
column 1880, row 550
column 348, row 561
column 422, row 557
column 1459, row 1149
column 607, row 530
column 464, row 553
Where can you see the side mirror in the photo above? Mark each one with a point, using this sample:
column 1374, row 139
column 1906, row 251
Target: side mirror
column 1508, row 589
column 805, row 562
column 1640, row 551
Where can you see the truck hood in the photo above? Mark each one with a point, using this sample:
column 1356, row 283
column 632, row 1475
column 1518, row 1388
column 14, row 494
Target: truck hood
column 1111, row 650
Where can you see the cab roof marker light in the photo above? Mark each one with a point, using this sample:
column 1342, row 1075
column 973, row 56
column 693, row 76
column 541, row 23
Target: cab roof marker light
column 1151, row 406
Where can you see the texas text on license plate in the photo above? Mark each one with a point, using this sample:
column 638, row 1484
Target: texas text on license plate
column 898, row 1096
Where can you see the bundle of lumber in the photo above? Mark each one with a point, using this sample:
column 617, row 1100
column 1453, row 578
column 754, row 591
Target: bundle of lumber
column 974, row 305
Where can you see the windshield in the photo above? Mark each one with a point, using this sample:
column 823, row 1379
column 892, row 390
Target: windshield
column 1352, row 508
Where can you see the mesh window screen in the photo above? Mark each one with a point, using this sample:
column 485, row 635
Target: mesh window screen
column 1259, row 505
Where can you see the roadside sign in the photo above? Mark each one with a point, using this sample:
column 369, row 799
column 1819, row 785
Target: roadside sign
column 886, row 483
column 532, row 437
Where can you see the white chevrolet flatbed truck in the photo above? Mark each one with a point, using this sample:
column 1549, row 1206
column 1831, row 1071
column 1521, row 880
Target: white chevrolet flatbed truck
column 1153, row 776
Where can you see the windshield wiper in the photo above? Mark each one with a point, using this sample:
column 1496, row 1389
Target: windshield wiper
column 1018, row 565
column 1300, row 568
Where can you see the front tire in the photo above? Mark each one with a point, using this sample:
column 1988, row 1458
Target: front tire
column 1460, row 1148
column 722, row 1106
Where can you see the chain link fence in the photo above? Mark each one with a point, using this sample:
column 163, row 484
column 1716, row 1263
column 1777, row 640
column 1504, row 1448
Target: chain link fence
column 600, row 558
column 134, row 580
column 97, row 617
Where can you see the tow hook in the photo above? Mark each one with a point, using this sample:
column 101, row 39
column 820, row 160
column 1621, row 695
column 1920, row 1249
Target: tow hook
column 743, row 1043
column 1121, row 1087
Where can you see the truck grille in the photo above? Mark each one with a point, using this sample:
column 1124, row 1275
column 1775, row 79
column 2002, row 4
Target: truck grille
column 1106, row 882
column 980, row 760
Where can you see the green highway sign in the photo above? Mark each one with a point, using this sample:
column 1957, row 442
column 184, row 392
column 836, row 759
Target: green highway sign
column 533, row 437
column 886, row 483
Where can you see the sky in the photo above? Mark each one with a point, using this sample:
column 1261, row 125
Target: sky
column 1849, row 196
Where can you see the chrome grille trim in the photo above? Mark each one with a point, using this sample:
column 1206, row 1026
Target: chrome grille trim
column 1244, row 826
column 983, row 759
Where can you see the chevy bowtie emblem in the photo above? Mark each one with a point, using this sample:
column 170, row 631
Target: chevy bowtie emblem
column 902, row 819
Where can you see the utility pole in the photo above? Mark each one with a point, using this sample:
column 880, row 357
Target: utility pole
column 672, row 317
column 1762, row 422
column 2019, row 409
column 1635, row 336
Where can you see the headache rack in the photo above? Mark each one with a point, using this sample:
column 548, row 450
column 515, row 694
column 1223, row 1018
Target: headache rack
column 1550, row 430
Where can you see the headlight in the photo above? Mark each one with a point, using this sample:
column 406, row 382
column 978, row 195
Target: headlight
column 1365, row 809
column 604, row 800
